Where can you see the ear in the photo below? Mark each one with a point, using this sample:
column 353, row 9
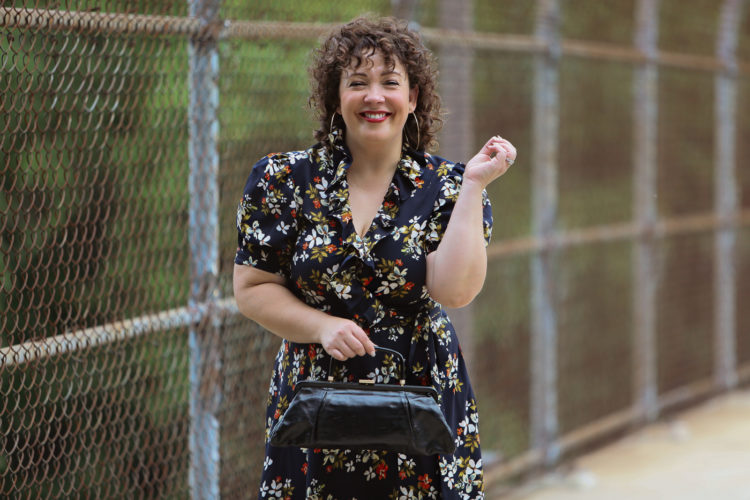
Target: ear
column 413, row 94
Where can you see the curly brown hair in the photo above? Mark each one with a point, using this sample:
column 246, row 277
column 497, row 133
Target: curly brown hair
column 358, row 40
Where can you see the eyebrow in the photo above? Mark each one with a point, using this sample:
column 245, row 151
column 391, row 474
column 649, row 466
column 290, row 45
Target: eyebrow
column 384, row 73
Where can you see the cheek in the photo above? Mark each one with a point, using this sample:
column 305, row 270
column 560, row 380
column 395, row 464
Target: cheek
column 346, row 103
column 342, row 97
column 405, row 103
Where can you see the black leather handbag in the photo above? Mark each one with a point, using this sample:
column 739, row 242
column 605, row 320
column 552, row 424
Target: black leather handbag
column 365, row 415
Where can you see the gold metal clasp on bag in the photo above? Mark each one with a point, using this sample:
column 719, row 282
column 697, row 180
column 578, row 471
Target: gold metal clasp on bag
column 368, row 381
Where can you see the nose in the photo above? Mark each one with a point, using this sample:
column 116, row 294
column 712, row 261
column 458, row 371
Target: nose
column 374, row 95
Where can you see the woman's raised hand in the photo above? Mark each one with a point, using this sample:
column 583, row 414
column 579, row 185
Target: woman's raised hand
column 492, row 161
column 344, row 339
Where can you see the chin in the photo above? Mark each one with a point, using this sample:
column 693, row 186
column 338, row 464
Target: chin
column 380, row 137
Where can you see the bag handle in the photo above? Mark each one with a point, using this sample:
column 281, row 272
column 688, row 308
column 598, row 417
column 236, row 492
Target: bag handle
column 402, row 377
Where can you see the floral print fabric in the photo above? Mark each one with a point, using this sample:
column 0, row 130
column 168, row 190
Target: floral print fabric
column 294, row 220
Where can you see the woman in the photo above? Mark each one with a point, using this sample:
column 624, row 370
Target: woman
column 360, row 241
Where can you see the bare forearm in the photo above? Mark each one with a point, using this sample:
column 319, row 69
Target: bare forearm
column 276, row 309
column 456, row 270
column 263, row 297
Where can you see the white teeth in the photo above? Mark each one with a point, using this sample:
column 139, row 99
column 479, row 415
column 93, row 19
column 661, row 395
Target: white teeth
column 374, row 116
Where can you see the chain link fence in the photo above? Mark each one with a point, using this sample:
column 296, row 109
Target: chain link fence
column 620, row 253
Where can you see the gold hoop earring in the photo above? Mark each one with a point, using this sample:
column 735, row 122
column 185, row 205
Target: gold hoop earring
column 416, row 120
column 330, row 129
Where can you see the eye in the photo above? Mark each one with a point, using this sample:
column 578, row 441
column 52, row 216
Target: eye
column 392, row 83
column 356, row 84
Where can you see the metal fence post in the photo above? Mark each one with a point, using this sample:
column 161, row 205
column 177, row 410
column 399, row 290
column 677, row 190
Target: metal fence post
column 404, row 9
column 546, row 115
column 205, row 349
column 725, row 196
column 645, row 136
column 457, row 136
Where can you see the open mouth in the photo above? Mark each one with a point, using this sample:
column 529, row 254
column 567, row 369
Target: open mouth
column 375, row 116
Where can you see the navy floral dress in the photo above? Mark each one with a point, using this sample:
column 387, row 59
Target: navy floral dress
column 294, row 220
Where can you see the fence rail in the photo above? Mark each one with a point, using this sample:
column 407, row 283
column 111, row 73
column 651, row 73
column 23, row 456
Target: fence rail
column 134, row 24
column 661, row 229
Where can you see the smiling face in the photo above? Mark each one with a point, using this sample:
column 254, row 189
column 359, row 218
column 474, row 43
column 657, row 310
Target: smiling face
column 375, row 101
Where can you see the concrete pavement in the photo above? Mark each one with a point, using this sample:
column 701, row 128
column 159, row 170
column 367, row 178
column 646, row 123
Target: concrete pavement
column 700, row 454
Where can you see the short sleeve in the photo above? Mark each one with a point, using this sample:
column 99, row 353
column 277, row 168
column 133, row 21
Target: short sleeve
column 447, row 194
column 266, row 218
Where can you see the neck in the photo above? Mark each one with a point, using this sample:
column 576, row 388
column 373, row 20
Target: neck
column 374, row 158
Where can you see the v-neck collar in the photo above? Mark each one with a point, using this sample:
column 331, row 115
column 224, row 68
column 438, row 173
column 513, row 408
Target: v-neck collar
column 406, row 179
